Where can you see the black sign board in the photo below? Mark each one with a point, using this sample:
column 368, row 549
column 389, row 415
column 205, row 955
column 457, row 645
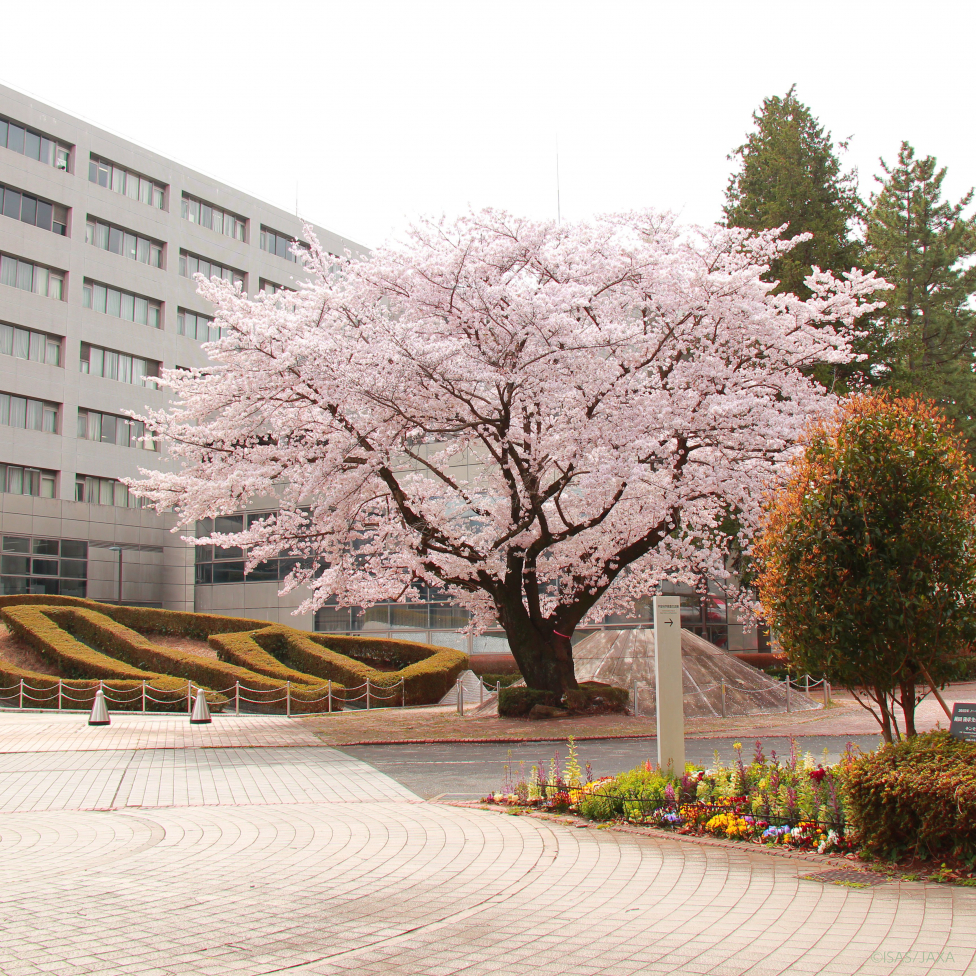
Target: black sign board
column 963, row 721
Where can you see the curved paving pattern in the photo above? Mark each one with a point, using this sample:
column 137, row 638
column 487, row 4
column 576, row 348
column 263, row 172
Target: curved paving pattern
column 318, row 864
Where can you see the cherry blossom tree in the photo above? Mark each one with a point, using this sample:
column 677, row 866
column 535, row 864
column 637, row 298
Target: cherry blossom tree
column 541, row 421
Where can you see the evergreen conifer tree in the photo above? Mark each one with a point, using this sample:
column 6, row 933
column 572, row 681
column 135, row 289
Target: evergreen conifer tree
column 926, row 334
column 790, row 173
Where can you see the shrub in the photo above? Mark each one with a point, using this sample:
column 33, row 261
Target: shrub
column 635, row 794
column 916, row 797
column 518, row 702
column 491, row 679
column 591, row 696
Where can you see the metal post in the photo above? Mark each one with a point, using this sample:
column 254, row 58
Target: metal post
column 60, row 683
column 636, row 712
column 498, row 687
column 403, row 693
column 189, row 697
column 237, row 698
column 724, row 713
column 789, row 704
column 367, row 693
column 144, row 695
column 21, row 704
column 330, row 695
column 808, row 685
column 460, row 697
column 830, row 692
column 288, row 699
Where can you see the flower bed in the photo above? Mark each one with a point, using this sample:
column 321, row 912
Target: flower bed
column 795, row 802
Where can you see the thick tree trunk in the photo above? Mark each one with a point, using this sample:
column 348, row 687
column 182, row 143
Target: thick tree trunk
column 545, row 659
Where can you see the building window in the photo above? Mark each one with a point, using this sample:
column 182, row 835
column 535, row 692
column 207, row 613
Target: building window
column 33, row 210
column 215, row 564
column 125, row 242
column 28, row 414
column 122, row 304
column 280, row 244
column 27, row 142
column 28, row 344
column 104, row 491
column 124, row 181
column 193, row 325
column 213, row 218
column 17, row 480
column 191, row 264
column 48, row 566
column 112, row 365
column 271, row 288
column 109, row 428
column 31, row 277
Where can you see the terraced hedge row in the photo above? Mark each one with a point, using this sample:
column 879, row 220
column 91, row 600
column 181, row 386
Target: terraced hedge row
column 88, row 640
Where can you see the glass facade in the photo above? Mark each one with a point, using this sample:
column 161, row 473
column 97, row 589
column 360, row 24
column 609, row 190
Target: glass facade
column 20, row 139
column 120, row 180
column 215, row 564
column 49, row 566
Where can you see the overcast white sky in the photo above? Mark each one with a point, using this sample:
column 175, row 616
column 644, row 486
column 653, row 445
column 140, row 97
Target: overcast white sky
column 379, row 111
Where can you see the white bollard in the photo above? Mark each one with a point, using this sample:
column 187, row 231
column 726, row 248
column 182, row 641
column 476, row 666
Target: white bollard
column 99, row 712
column 201, row 711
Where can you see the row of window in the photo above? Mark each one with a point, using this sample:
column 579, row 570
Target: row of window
column 29, row 344
column 32, row 277
column 28, row 414
column 196, row 326
column 120, row 241
column 122, row 304
column 18, row 480
column 279, row 244
column 57, row 565
column 213, row 218
column 109, row 428
column 33, row 210
column 104, row 491
column 27, row 142
column 191, row 264
column 112, row 365
column 124, row 181
column 93, row 425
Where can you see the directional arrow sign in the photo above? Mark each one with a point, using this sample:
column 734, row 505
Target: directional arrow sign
column 668, row 679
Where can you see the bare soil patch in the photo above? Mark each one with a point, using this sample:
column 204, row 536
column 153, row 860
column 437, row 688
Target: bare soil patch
column 191, row 645
column 20, row 654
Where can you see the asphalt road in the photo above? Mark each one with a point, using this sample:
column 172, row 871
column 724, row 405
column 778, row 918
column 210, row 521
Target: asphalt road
column 469, row 770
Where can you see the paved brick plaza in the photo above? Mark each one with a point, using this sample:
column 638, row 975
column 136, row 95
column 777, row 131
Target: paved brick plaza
column 145, row 849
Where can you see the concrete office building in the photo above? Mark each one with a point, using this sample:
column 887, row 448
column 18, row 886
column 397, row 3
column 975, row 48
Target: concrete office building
column 99, row 240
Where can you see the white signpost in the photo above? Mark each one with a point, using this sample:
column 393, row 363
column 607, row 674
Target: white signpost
column 667, row 678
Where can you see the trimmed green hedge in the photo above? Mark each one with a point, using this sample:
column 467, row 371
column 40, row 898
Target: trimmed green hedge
column 255, row 652
column 916, row 797
column 78, row 662
column 428, row 671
